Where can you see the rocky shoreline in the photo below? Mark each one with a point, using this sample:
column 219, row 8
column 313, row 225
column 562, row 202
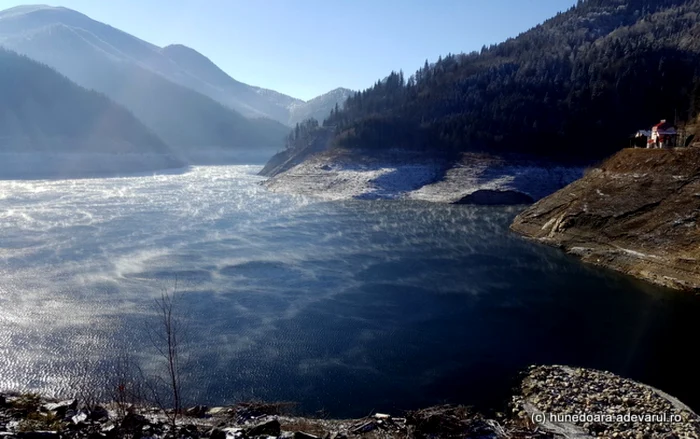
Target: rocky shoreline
column 637, row 213
column 551, row 402
column 471, row 178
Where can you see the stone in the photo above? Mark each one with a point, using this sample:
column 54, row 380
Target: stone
column 80, row 417
column 61, row 408
column 233, row 432
column 198, row 411
column 364, row 428
column 39, row 435
column 98, row 413
column 217, row 434
column 133, row 421
column 269, row 428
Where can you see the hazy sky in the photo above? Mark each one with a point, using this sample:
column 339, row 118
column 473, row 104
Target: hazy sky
column 306, row 47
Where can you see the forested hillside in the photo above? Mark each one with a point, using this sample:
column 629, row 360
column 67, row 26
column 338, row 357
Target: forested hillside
column 576, row 86
column 40, row 110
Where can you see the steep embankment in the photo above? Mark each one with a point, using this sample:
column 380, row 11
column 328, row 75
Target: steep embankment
column 638, row 213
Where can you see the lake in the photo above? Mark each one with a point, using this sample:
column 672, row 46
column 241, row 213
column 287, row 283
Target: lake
column 345, row 307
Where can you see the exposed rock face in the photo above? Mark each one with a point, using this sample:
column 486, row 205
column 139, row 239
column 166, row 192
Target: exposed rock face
column 638, row 213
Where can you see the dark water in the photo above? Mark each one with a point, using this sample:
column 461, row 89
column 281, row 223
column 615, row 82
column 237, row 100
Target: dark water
column 342, row 306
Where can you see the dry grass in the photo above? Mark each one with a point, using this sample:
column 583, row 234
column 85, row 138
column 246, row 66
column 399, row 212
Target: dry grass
column 37, row 421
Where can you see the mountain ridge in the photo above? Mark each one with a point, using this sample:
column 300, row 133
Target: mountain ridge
column 52, row 127
column 177, row 63
column 105, row 59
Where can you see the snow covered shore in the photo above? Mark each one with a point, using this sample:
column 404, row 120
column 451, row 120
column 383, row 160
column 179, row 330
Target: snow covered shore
column 474, row 178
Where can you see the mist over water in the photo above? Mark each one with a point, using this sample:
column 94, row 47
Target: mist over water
column 343, row 306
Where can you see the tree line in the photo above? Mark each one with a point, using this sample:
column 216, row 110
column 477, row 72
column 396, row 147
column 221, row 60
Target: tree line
column 576, row 86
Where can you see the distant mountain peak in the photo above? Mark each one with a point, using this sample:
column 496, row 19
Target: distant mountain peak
column 54, row 34
column 29, row 9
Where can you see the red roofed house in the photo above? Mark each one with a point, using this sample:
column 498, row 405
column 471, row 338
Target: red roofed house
column 663, row 135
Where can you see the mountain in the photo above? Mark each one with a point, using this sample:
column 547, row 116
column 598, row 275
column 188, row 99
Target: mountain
column 574, row 87
column 564, row 94
column 192, row 69
column 138, row 75
column 52, row 34
column 203, row 75
column 320, row 107
column 42, row 112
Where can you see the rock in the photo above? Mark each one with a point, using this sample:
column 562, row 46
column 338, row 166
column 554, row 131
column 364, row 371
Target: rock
column 488, row 197
column 133, row 422
column 233, row 432
column 269, row 428
column 216, row 411
column 39, row 435
column 303, row 435
column 189, row 430
column 61, row 408
column 382, row 416
column 80, row 417
column 98, row 413
column 364, row 427
column 198, row 411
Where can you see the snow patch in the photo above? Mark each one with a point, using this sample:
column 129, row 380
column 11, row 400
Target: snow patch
column 405, row 177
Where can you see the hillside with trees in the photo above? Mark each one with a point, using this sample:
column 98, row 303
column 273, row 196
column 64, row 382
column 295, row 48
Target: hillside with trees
column 41, row 110
column 576, row 86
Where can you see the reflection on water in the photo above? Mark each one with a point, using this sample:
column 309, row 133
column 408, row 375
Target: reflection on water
column 345, row 306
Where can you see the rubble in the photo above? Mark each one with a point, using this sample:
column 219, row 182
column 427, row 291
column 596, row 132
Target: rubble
column 545, row 392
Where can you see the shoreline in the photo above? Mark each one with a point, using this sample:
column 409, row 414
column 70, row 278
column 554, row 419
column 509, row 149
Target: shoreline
column 471, row 178
column 551, row 401
column 636, row 214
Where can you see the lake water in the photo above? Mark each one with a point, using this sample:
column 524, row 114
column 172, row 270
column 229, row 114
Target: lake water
column 346, row 307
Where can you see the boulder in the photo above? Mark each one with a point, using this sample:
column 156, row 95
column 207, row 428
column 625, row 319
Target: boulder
column 98, row 413
column 133, row 422
column 198, row 411
column 269, row 428
column 82, row 416
column 61, row 408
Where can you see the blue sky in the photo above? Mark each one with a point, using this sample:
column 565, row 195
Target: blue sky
column 307, row 47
